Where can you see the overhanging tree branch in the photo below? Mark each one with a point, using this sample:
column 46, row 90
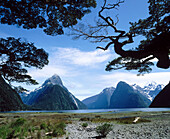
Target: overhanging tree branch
column 157, row 44
column 19, row 55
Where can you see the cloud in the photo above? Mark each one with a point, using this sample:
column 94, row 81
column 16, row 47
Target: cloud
column 81, row 58
column 47, row 72
column 62, row 61
column 131, row 78
column 71, row 63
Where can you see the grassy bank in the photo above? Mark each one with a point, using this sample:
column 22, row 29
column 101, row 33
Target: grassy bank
column 49, row 125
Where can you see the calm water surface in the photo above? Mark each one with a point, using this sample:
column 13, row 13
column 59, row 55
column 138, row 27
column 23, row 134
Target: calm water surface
column 97, row 110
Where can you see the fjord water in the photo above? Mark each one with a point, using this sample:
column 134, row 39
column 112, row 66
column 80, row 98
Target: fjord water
column 96, row 110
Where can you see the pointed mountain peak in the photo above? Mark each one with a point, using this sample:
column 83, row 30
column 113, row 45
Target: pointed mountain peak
column 124, row 86
column 122, row 83
column 55, row 80
column 108, row 90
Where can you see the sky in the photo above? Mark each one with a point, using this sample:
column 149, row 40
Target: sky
column 78, row 63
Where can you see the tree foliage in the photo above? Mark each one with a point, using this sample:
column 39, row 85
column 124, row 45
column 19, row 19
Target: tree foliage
column 155, row 29
column 51, row 15
column 16, row 55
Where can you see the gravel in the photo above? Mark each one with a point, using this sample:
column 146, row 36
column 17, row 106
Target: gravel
column 157, row 129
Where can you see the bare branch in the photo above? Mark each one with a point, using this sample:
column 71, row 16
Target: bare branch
column 106, row 19
column 82, row 33
column 107, row 46
column 113, row 6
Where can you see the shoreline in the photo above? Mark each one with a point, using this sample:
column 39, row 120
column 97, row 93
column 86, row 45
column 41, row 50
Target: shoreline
column 84, row 111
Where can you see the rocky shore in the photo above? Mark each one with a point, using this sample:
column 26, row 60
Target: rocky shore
column 156, row 129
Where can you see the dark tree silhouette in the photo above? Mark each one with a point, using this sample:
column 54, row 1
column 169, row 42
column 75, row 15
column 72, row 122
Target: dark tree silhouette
column 156, row 29
column 16, row 55
column 51, row 15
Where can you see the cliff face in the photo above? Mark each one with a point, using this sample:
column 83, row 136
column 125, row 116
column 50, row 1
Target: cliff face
column 9, row 98
column 162, row 99
column 125, row 96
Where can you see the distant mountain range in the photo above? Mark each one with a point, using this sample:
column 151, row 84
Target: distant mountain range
column 150, row 91
column 124, row 96
column 52, row 95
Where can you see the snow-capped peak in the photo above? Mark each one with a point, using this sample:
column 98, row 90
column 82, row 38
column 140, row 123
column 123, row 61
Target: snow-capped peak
column 55, row 80
column 150, row 90
column 150, row 86
column 160, row 86
column 136, row 87
column 108, row 90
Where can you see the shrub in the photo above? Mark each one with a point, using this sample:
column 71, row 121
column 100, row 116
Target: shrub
column 61, row 125
column 104, row 129
column 43, row 126
column 97, row 116
column 59, row 130
column 18, row 122
column 84, row 124
column 85, row 119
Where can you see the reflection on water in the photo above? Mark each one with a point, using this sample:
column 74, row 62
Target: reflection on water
column 97, row 110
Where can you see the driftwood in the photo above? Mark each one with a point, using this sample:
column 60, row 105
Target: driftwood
column 136, row 119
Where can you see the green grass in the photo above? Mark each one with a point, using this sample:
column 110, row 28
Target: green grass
column 35, row 125
column 129, row 120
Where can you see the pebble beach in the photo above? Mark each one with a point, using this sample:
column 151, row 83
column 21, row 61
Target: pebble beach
column 156, row 129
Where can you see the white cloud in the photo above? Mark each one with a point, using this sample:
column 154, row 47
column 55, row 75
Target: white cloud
column 47, row 72
column 75, row 67
column 130, row 78
column 63, row 61
column 81, row 58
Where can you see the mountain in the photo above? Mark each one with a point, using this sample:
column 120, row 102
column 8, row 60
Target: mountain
column 52, row 95
column 54, row 80
column 125, row 96
column 162, row 99
column 9, row 98
column 100, row 101
column 150, row 91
